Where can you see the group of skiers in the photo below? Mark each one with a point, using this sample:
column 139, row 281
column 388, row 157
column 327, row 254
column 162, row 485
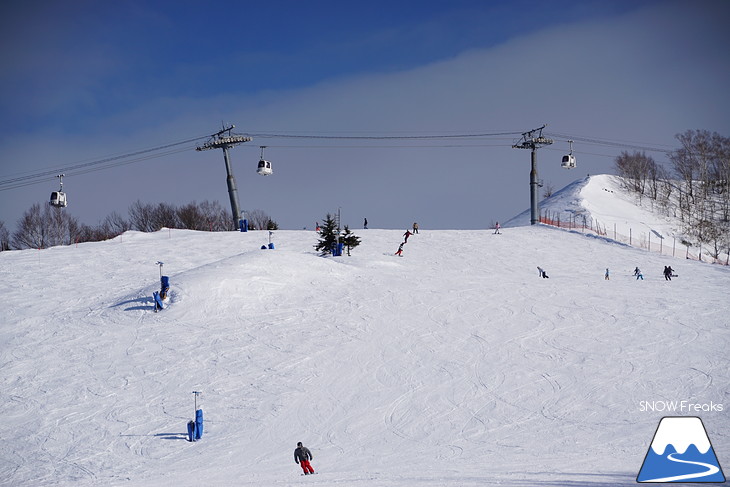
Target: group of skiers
column 408, row 233
column 668, row 273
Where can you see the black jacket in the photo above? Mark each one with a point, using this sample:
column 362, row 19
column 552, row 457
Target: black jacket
column 302, row 454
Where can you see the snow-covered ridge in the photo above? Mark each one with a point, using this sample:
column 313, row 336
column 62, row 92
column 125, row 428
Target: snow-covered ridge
column 601, row 198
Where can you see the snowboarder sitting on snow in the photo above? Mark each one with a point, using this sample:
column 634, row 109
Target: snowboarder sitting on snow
column 302, row 455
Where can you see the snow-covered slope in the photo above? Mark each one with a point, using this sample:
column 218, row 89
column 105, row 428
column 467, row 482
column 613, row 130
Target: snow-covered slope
column 601, row 198
column 455, row 365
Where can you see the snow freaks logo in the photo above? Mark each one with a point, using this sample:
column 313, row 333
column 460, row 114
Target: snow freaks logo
column 679, row 407
column 681, row 452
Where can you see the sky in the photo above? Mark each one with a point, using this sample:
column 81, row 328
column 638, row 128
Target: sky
column 83, row 82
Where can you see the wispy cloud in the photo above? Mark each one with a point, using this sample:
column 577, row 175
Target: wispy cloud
column 642, row 75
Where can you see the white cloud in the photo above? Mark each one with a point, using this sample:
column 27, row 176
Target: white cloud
column 644, row 77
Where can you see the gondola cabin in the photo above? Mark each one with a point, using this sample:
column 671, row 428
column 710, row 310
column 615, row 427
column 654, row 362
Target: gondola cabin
column 264, row 168
column 58, row 199
column 568, row 161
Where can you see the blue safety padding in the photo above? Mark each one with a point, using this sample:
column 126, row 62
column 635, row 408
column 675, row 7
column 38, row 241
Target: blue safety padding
column 198, row 424
column 158, row 300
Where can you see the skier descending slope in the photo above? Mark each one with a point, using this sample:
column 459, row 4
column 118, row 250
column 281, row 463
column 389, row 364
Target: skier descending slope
column 302, row 455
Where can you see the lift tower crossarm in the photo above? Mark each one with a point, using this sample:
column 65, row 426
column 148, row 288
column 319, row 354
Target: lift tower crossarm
column 225, row 142
column 218, row 141
column 533, row 140
column 530, row 141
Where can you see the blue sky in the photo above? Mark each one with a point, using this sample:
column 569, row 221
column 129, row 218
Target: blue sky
column 82, row 81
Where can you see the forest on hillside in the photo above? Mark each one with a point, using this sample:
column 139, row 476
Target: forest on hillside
column 694, row 188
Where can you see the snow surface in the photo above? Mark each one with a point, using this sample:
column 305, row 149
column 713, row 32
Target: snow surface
column 454, row 365
column 602, row 199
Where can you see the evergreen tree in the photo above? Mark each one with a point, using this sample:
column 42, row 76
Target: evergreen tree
column 327, row 236
column 350, row 240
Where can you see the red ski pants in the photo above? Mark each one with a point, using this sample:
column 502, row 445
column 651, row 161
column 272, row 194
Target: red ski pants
column 306, row 466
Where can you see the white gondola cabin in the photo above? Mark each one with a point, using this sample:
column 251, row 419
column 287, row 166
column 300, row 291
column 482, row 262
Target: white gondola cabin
column 264, row 168
column 569, row 159
column 58, row 198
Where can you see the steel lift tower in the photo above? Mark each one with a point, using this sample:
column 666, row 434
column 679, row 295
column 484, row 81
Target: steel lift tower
column 533, row 140
column 225, row 142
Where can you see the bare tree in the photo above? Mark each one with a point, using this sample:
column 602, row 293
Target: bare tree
column 639, row 169
column 114, row 224
column 701, row 160
column 260, row 220
column 548, row 191
column 41, row 228
column 30, row 232
column 214, row 216
column 703, row 163
column 164, row 215
column 720, row 173
column 191, row 217
column 4, row 237
column 140, row 217
column 204, row 216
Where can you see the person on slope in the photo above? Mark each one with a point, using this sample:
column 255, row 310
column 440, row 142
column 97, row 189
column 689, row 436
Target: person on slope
column 302, row 456
column 638, row 274
column 406, row 235
column 667, row 273
column 399, row 252
column 415, row 228
column 542, row 272
column 496, row 228
column 607, row 276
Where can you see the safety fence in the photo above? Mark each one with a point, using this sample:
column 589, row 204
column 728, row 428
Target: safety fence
column 649, row 240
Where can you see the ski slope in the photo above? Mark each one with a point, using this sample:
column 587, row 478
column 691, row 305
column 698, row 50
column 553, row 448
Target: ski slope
column 454, row 365
column 602, row 198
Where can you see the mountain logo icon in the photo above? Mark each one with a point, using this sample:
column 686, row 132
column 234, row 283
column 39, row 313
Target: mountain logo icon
column 680, row 452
